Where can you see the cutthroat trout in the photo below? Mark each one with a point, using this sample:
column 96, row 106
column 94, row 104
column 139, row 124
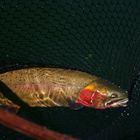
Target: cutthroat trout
column 49, row 87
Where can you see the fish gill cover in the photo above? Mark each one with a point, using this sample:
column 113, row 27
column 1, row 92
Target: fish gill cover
column 101, row 38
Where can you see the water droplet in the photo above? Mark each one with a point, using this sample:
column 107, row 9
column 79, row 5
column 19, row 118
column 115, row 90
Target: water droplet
column 128, row 114
column 112, row 68
column 7, row 55
column 106, row 116
column 122, row 114
column 90, row 55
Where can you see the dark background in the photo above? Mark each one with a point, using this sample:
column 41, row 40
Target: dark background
column 101, row 38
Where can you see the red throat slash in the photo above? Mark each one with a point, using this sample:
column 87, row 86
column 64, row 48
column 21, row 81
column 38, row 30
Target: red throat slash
column 91, row 99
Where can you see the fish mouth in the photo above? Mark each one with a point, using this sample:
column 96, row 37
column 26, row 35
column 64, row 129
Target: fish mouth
column 117, row 102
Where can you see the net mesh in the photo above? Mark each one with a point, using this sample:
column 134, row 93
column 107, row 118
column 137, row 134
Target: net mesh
column 101, row 38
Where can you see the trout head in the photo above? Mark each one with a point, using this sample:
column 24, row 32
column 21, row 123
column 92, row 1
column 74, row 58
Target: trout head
column 101, row 95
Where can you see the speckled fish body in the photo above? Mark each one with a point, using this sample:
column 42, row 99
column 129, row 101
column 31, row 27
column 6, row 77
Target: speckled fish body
column 49, row 87
column 45, row 86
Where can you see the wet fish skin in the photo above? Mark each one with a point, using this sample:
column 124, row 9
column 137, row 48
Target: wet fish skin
column 45, row 86
column 48, row 87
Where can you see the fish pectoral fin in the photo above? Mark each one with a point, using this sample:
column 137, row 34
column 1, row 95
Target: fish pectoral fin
column 75, row 106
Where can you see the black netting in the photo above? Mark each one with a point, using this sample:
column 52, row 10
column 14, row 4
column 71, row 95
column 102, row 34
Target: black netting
column 101, row 38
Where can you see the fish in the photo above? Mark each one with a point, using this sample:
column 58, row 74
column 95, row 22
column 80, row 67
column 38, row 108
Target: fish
column 57, row 87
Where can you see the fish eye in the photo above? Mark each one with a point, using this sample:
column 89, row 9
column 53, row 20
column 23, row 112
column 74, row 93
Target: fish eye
column 113, row 95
